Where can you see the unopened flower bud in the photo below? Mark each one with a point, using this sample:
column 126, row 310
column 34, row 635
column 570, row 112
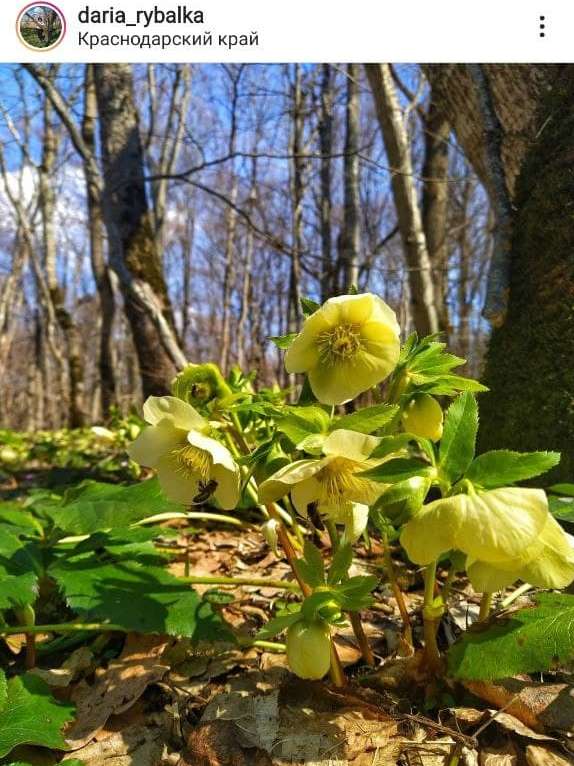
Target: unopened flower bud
column 309, row 649
column 330, row 612
column 423, row 417
column 199, row 384
column 269, row 530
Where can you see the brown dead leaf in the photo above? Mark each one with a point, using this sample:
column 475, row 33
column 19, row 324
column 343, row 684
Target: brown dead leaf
column 135, row 746
column 214, row 743
column 536, row 755
column 506, row 755
column 543, row 707
column 116, row 687
column 78, row 661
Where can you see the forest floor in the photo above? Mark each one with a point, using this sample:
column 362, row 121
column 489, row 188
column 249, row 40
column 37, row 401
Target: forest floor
column 153, row 700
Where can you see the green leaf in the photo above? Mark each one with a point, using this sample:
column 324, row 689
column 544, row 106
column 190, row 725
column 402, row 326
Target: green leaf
column 302, row 421
column 17, row 591
column 563, row 489
column 340, row 564
column 311, row 568
column 145, row 599
column 309, row 306
column 368, row 420
column 499, row 468
column 95, row 506
column 530, row 640
column 397, row 469
column 562, row 508
column 354, row 594
column 459, row 436
column 32, row 716
column 278, row 625
column 283, row 341
column 389, row 444
column 399, row 502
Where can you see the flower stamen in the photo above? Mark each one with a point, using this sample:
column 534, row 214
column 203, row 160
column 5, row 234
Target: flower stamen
column 341, row 484
column 193, row 462
column 340, row 343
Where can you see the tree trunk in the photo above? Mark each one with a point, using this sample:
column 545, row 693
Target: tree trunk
column 99, row 267
column 350, row 237
column 422, row 295
column 47, row 199
column 326, row 149
column 435, row 204
column 131, row 237
column 297, row 171
column 529, row 363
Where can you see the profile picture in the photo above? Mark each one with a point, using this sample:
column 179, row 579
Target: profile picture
column 41, row 26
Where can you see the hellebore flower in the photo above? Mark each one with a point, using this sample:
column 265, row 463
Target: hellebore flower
column 332, row 482
column 188, row 463
column 507, row 534
column 309, row 649
column 346, row 347
column 423, row 417
column 492, row 526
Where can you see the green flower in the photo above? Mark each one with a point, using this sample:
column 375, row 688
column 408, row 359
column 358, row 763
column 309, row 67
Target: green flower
column 346, row 347
column 187, row 461
column 309, row 649
column 423, row 417
column 199, row 384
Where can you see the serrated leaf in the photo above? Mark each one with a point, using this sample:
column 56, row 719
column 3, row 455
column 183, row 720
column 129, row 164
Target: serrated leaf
column 389, row 444
column 400, row 502
column 368, row 420
column 144, row 599
column 32, row 716
column 528, row 641
column 303, row 421
column 563, row 489
column 283, row 341
column 17, row 591
column 311, row 568
column 309, row 306
column 340, row 564
column 354, row 594
column 499, row 468
column 459, row 436
column 277, row 625
column 95, row 506
column 397, row 469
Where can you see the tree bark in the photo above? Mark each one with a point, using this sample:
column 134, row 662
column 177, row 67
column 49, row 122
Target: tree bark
column 326, row 149
column 131, row 237
column 100, row 269
column 350, row 236
column 422, row 296
column 529, row 362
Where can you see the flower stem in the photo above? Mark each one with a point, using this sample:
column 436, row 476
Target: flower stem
column 485, row 605
column 430, row 622
column 511, row 598
column 398, row 594
column 255, row 581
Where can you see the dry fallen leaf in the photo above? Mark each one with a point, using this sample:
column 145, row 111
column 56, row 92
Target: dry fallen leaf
column 536, row 755
column 135, row 746
column 117, row 687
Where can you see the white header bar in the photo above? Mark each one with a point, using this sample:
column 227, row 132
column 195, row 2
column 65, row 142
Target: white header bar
column 526, row 31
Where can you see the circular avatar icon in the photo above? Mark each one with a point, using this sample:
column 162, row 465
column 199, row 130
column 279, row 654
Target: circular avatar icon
column 41, row 26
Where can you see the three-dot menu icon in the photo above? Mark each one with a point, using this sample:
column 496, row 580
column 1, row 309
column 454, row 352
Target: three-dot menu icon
column 542, row 26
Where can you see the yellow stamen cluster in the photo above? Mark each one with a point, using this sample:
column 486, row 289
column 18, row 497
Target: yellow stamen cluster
column 341, row 483
column 339, row 343
column 192, row 461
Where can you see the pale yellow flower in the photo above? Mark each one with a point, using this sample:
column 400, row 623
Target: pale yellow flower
column 346, row 347
column 331, row 482
column 189, row 464
column 492, row 526
column 548, row 563
column 423, row 417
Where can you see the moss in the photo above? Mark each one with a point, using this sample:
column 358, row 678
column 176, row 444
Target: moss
column 530, row 361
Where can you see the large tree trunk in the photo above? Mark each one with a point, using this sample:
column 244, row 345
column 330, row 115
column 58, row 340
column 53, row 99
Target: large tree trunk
column 99, row 267
column 422, row 295
column 131, row 237
column 529, row 363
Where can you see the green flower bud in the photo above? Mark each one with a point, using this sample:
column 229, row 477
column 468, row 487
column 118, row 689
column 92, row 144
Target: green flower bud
column 423, row 417
column 309, row 649
column 199, row 384
column 330, row 612
column 8, row 456
column 269, row 530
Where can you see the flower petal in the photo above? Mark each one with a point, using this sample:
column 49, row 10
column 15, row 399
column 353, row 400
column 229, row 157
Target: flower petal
column 219, row 452
column 154, row 442
column 350, row 444
column 553, row 565
column 177, row 486
column 432, row 531
column 498, row 525
column 227, row 490
column 486, row 578
column 304, row 493
column 281, row 482
column 178, row 412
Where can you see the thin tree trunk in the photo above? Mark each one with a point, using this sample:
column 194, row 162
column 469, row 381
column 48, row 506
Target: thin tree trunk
column 247, row 265
column 131, row 239
column 326, row 148
column 100, row 269
column 435, row 204
column 298, row 167
column 350, row 237
column 73, row 344
column 422, row 294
